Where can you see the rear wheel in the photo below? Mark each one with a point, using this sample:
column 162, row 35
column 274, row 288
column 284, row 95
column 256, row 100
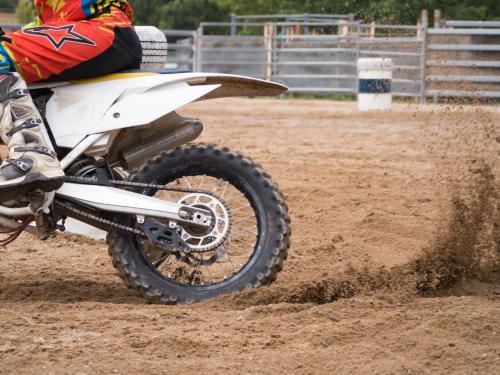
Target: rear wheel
column 245, row 246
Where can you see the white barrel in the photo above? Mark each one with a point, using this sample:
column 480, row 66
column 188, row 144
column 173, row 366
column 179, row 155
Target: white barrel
column 375, row 78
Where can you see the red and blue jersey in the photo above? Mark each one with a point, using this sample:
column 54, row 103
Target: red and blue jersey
column 73, row 39
column 75, row 10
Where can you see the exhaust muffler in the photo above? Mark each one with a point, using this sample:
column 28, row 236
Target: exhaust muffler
column 184, row 133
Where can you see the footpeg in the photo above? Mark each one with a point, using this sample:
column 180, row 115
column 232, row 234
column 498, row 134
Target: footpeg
column 40, row 201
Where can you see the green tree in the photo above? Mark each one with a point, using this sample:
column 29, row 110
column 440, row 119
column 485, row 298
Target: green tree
column 148, row 12
column 187, row 14
column 8, row 4
column 25, row 12
column 394, row 11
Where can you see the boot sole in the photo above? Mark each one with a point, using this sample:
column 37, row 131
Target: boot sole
column 32, row 182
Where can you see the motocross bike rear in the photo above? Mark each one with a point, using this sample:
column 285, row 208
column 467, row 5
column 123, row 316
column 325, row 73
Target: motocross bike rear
column 185, row 221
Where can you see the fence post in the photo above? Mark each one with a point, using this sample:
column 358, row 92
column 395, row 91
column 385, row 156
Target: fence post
column 437, row 25
column 359, row 35
column 275, row 54
column 371, row 30
column 269, row 36
column 423, row 56
column 233, row 24
column 198, row 42
column 343, row 28
column 437, row 18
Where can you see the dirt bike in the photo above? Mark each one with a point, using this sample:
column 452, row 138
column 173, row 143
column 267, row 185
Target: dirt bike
column 185, row 222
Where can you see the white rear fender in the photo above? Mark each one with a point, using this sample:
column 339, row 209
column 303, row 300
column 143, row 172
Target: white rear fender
column 125, row 100
column 237, row 86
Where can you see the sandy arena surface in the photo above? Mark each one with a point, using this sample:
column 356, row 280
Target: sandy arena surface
column 394, row 266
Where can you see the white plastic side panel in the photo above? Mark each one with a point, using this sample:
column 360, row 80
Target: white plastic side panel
column 96, row 106
column 74, row 111
column 144, row 108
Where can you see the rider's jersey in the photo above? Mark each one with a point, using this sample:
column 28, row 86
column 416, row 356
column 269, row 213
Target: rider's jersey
column 75, row 10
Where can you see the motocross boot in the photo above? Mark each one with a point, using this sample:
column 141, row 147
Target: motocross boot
column 32, row 164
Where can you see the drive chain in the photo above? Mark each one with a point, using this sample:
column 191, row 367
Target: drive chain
column 95, row 181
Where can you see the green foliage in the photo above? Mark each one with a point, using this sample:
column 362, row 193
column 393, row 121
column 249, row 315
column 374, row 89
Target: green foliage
column 187, row 14
column 25, row 12
column 394, row 11
column 148, row 12
column 8, row 4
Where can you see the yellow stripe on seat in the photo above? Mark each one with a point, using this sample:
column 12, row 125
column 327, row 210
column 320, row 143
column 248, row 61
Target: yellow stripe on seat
column 112, row 77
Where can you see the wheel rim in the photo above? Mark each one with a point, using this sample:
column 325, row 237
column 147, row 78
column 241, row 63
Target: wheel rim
column 228, row 261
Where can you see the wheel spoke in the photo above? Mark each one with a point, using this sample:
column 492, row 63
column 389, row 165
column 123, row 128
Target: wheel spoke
column 243, row 242
column 243, row 219
column 208, row 270
column 200, row 269
column 226, row 184
column 240, row 208
column 230, row 261
column 247, row 230
column 162, row 260
column 197, row 273
column 231, row 198
column 202, row 180
column 222, row 269
column 186, row 181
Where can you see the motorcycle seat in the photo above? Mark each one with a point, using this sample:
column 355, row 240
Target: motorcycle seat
column 51, row 84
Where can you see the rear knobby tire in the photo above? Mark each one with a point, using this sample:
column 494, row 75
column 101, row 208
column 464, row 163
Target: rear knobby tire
column 274, row 237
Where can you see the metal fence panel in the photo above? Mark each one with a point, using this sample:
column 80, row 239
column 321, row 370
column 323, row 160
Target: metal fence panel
column 317, row 54
column 312, row 57
column 181, row 49
column 320, row 57
column 464, row 61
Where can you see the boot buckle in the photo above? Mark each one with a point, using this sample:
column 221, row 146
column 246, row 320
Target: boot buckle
column 28, row 124
column 16, row 94
column 37, row 149
column 22, row 165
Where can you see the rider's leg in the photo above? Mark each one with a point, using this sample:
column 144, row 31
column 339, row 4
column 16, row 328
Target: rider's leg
column 32, row 163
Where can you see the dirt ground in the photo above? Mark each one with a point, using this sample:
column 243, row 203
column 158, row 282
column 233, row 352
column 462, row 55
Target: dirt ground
column 394, row 266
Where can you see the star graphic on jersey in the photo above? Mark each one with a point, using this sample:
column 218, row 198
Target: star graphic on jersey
column 58, row 36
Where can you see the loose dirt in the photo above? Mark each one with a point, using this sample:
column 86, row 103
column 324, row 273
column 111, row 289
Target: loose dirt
column 394, row 265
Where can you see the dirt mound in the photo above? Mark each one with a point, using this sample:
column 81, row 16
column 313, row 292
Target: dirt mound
column 465, row 247
column 469, row 248
column 466, row 158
